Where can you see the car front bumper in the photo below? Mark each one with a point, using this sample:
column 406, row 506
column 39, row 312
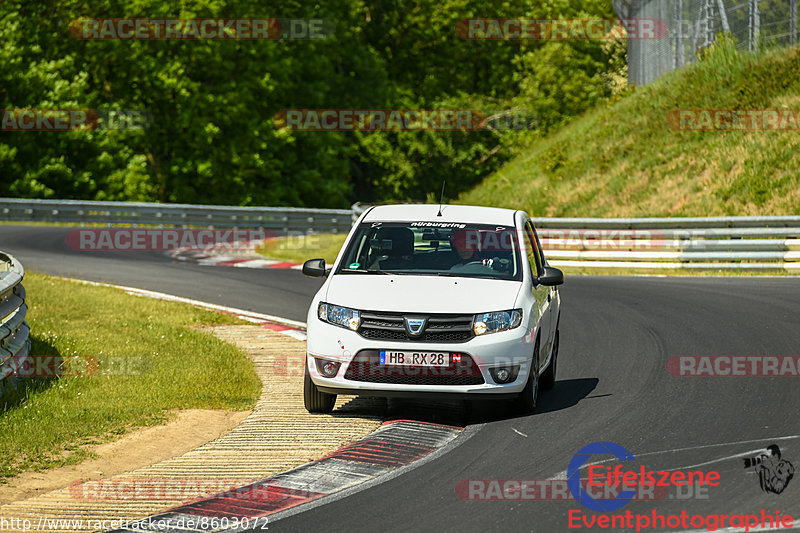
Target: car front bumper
column 502, row 349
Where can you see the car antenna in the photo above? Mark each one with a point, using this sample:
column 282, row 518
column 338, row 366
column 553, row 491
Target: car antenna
column 441, row 199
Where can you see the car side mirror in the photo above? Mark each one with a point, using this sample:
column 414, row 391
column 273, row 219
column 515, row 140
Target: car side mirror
column 315, row 268
column 552, row 276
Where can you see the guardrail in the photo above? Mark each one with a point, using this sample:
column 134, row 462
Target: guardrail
column 755, row 243
column 651, row 243
column 14, row 331
column 282, row 220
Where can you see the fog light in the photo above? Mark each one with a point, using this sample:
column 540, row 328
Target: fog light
column 328, row 368
column 504, row 374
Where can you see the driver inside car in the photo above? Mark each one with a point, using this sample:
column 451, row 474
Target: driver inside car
column 466, row 246
column 478, row 252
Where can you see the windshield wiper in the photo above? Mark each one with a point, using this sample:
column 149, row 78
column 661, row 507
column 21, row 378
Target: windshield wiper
column 364, row 271
column 466, row 275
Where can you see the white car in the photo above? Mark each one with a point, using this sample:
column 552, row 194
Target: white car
column 434, row 300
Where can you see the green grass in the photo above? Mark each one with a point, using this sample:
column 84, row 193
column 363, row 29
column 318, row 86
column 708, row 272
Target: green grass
column 50, row 422
column 300, row 248
column 622, row 158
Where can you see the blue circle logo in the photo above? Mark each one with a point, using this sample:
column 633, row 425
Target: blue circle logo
column 602, row 505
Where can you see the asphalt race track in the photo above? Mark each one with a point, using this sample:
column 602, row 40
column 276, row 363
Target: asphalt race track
column 282, row 293
column 616, row 336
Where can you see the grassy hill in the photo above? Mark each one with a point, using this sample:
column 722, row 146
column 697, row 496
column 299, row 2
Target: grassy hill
column 623, row 159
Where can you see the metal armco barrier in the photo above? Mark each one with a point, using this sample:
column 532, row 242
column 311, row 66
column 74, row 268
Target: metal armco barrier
column 280, row 219
column 756, row 243
column 14, row 331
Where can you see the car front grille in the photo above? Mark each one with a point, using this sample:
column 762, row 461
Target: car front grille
column 366, row 366
column 440, row 328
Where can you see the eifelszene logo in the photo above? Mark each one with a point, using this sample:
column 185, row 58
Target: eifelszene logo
column 774, row 472
column 615, row 477
column 574, row 476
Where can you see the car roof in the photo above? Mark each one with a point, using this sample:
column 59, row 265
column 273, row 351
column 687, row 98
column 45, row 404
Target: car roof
column 465, row 214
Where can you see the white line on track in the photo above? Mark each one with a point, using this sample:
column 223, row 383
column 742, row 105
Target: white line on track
column 563, row 473
column 250, row 316
column 748, row 453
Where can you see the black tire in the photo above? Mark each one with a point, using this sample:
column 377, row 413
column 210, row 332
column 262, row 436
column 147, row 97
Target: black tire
column 548, row 380
column 525, row 402
column 315, row 400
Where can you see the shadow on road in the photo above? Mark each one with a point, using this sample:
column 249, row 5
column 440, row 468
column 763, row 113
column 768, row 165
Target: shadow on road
column 567, row 393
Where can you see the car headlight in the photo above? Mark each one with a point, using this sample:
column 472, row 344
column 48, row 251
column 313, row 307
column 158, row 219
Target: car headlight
column 497, row 321
column 339, row 316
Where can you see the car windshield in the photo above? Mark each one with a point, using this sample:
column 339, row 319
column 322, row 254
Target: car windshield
column 433, row 249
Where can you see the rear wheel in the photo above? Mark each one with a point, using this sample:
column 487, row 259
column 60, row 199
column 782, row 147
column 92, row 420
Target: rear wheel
column 315, row 400
column 549, row 376
column 526, row 401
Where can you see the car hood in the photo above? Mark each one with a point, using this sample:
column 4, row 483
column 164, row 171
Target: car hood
column 422, row 294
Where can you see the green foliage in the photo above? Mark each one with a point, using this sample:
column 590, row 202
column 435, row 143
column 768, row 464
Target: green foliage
column 626, row 159
column 212, row 138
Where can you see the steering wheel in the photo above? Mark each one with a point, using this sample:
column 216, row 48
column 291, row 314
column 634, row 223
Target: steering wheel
column 499, row 264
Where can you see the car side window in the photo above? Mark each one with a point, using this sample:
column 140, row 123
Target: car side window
column 538, row 244
column 534, row 258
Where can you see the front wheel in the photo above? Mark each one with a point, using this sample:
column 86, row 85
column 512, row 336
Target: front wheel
column 314, row 399
column 526, row 401
column 549, row 376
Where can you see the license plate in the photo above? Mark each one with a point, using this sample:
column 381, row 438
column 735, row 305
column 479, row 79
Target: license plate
column 398, row 358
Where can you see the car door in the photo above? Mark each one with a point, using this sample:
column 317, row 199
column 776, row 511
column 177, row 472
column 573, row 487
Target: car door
column 553, row 299
column 540, row 293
